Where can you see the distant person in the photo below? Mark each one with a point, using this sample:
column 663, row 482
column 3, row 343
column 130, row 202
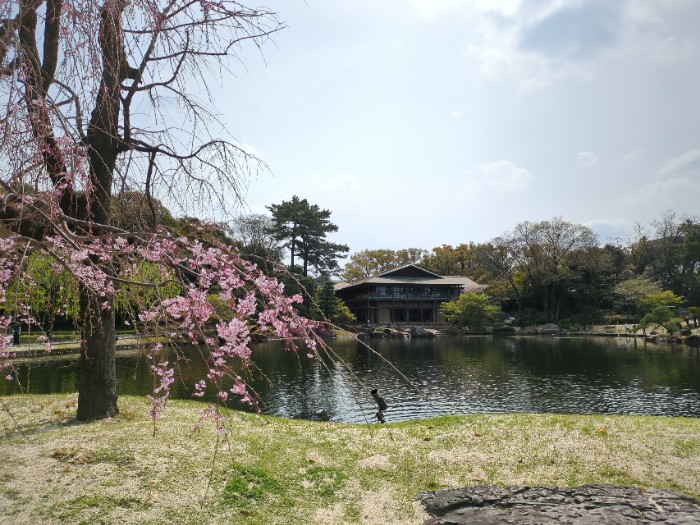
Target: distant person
column 16, row 328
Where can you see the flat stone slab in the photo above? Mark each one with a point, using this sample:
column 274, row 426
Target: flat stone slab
column 584, row 505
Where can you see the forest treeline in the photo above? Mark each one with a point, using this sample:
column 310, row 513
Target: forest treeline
column 557, row 271
column 547, row 271
column 538, row 272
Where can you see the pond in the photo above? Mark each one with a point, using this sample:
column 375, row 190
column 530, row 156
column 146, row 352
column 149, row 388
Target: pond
column 445, row 375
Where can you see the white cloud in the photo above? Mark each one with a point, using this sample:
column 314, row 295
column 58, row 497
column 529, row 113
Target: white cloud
column 538, row 44
column 608, row 223
column 580, row 31
column 501, row 176
column 678, row 184
column 686, row 163
column 608, row 229
column 501, row 62
column 655, row 31
column 587, row 158
column 664, row 194
column 500, row 55
column 454, row 114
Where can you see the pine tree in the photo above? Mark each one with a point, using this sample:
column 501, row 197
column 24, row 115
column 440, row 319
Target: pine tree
column 304, row 227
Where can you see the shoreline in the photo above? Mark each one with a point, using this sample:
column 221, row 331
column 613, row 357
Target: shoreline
column 27, row 350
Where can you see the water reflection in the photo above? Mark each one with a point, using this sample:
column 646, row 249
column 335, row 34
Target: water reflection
column 452, row 376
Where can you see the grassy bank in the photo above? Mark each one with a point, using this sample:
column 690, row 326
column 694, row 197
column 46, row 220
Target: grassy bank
column 269, row 470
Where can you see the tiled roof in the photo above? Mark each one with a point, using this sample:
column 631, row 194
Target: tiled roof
column 422, row 277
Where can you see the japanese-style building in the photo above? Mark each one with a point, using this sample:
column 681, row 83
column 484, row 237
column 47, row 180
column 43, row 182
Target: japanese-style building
column 405, row 295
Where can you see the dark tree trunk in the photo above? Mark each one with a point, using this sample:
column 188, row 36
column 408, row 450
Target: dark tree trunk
column 292, row 259
column 97, row 389
column 97, row 383
column 97, row 396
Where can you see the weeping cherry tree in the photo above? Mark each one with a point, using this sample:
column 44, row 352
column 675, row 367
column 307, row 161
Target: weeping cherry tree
column 101, row 97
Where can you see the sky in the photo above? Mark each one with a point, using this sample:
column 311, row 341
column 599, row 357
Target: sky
column 420, row 123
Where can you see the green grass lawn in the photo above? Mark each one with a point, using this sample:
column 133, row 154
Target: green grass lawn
column 270, row 470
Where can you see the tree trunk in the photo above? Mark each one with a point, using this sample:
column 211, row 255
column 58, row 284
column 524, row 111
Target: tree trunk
column 97, row 383
column 97, row 389
column 97, row 395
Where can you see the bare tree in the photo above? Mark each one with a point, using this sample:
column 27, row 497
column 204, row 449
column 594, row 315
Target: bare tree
column 253, row 233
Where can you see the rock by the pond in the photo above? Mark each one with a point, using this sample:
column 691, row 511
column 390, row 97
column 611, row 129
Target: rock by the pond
column 584, row 505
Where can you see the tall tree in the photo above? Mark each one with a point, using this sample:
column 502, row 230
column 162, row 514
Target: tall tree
column 287, row 219
column 253, row 234
column 691, row 260
column 594, row 274
column 367, row 263
column 464, row 259
column 410, row 256
column 630, row 292
column 501, row 258
column 97, row 94
column 670, row 253
column 443, row 260
column 304, row 228
column 545, row 252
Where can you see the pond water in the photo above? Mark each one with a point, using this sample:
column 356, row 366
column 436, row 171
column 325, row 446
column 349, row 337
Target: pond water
column 445, row 375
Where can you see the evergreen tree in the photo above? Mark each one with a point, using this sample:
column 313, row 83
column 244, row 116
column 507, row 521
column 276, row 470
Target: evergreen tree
column 304, row 227
column 327, row 300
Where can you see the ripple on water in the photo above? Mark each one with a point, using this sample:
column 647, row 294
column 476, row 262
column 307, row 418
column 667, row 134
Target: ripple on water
column 458, row 375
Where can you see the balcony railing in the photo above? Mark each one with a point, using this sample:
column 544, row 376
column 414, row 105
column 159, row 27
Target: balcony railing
column 438, row 295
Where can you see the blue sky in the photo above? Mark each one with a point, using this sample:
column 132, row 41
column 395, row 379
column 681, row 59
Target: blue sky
column 421, row 123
